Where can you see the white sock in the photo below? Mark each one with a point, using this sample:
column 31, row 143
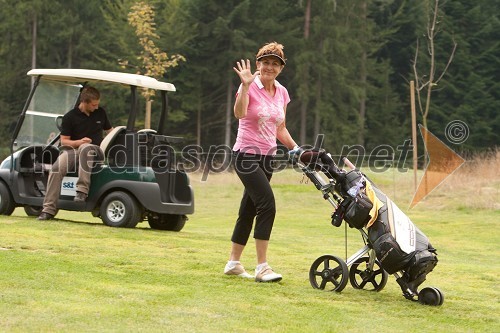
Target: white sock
column 260, row 266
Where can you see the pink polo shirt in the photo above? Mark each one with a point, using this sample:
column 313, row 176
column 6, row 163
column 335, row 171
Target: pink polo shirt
column 257, row 130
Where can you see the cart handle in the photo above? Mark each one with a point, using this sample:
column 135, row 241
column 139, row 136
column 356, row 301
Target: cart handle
column 348, row 163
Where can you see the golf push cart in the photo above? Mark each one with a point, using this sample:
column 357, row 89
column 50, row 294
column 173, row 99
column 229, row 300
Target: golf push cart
column 392, row 243
column 137, row 179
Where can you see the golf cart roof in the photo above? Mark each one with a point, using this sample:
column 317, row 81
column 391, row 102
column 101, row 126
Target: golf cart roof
column 90, row 75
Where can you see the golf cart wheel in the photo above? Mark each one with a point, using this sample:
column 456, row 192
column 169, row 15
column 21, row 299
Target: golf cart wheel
column 120, row 209
column 329, row 272
column 7, row 204
column 33, row 210
column 430, row 296
column 169, row 222
column 363, row 277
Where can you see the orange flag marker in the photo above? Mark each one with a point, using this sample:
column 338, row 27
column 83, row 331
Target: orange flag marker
column 442, row 162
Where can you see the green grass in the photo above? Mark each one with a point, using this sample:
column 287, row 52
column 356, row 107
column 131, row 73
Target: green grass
column 75, row 274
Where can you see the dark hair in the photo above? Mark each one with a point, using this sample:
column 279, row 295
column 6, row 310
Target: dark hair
column 89, row 94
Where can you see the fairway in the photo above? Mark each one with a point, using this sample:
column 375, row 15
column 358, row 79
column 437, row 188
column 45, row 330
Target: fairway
column 76, row 274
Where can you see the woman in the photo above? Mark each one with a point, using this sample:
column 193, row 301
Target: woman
column 260, row 107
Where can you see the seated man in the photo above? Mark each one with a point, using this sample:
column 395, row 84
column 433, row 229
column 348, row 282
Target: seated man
column 81, row 135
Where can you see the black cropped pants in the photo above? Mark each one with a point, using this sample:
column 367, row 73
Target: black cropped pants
column 255, row 172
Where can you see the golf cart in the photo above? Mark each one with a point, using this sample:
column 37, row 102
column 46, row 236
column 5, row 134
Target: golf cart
column 138, row 178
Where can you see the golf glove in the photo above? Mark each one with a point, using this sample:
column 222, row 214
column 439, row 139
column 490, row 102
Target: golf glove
column 294, row 154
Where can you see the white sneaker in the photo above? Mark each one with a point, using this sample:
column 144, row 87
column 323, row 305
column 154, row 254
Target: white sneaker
column 238, row 270
column 266, row 274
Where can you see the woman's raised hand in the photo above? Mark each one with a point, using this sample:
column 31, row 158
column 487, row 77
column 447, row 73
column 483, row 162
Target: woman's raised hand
column 244, row 72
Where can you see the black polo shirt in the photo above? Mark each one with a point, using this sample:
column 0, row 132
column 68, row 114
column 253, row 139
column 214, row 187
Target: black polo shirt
column 77, row 125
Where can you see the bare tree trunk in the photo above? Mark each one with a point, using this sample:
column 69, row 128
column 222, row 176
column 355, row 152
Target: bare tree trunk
column 303, row 119
column 229, row 98
column 317, row 111
column 362, row 106
column 70, row 52
column 307, row 20
column 363, row 78
column 429, row 85
column 198, row 124
column 431, row 32
column 33, row 46
column 147, row 116
column 305, row 78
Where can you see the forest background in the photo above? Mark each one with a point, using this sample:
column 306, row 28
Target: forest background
column 348, row 70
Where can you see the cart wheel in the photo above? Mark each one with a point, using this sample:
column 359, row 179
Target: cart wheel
column 120, row 209
column 440, row 294
column 169, row 222
column 430, row 296
column 33, row 210
column 7, row 204
column 363, row 277
column 329, row 269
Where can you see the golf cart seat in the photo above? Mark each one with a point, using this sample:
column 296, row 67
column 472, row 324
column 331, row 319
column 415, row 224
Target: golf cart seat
column 110, row 138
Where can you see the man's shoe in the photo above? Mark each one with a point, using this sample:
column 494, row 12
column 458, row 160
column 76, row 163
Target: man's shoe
column 238, row 270
column 266, row 274
column 45, row 216
column 80, row 197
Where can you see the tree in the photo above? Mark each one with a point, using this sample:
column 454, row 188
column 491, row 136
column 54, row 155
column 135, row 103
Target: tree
column 17, row 48
column 352, row 68
column 153, row 61
column 470, row 90
column 431, row 81
column 207, row 82
column 304, row 92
